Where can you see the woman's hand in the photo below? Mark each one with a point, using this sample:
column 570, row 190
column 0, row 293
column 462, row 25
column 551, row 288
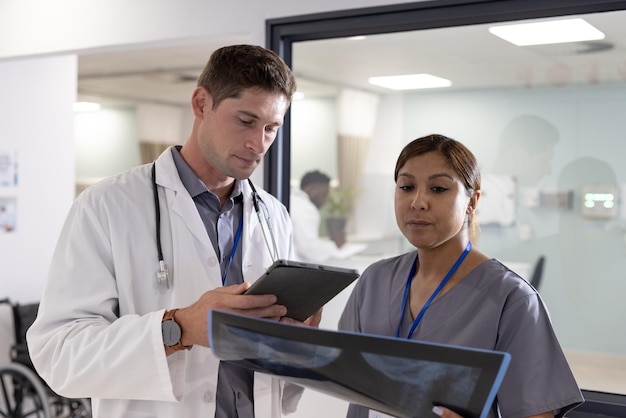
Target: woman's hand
column 312, row 321
column 444, row 412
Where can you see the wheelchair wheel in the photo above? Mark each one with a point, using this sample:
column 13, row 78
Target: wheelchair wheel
column 22, row 394
column 80, row 408
column 61, row 407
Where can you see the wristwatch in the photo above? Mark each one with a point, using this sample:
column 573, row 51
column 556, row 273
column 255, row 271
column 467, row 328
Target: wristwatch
column 171, row 332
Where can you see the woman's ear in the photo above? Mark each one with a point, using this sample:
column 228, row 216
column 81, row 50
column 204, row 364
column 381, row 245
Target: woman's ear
column 473, row 202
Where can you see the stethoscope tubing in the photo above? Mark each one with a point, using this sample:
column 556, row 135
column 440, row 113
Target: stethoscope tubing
column 257, row 202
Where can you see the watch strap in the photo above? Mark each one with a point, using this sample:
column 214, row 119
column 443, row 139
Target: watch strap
column 169, row 316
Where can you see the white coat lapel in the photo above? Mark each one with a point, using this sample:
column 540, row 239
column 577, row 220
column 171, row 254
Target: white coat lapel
column 179, row 202
column 183, row 207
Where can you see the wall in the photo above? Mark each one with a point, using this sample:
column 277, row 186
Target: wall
column 37, row 123
column 313, row 145
column 39, row 27
column 106, row 143
column 377, row 185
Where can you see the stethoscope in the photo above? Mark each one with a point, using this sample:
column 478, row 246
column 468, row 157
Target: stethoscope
column 259, row 206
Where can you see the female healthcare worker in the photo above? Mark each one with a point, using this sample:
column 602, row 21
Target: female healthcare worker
column 99, row 329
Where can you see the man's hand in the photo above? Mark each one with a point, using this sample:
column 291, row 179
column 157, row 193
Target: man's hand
column 193, row 319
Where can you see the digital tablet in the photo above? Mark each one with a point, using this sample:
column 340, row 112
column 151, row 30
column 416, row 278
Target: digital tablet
column 302, row 287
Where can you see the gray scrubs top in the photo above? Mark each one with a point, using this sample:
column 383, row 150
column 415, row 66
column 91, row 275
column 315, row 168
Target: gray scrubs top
column 490, row 308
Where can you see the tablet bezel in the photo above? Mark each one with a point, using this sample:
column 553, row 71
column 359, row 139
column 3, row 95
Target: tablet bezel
column 302, row 287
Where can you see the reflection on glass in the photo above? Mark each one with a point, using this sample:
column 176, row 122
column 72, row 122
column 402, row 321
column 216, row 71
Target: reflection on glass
column 532, row 115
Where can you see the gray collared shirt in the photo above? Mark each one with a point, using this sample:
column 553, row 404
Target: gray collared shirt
column 235, row 394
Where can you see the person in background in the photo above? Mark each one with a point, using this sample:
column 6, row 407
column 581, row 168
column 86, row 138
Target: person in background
column 145, row 255
column 447, row 291
column 305, row 204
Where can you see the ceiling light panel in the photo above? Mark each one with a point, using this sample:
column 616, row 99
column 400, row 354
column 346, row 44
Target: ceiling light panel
column 410, row 81
column 548, row 32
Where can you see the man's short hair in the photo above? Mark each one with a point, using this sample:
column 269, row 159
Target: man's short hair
column 314, row 177
column 232, row 69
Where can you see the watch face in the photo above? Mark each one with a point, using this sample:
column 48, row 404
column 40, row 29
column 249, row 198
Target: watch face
column 171, row 333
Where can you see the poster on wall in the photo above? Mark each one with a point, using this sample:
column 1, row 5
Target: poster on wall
column 8, row 169
column 7, row 215
column 8, row 191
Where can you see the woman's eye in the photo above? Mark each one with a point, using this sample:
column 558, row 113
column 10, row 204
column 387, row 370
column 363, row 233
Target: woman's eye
column 405, row 188
column 438, row 189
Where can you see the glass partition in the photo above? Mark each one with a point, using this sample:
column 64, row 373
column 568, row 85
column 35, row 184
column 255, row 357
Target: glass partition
column 545, row 122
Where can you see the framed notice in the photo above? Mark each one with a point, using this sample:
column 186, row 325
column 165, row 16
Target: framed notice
column 7, row 215
column 8, row 169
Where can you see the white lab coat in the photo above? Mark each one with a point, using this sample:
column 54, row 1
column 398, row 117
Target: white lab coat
column 105, row 261
column 306, row 218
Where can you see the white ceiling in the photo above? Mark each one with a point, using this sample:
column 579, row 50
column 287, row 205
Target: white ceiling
column 469, row 56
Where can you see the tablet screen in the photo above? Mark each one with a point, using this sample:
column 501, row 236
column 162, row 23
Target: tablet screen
column 302, row 287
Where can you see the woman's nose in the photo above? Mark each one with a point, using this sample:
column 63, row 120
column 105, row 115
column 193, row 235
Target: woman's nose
column 418, row 202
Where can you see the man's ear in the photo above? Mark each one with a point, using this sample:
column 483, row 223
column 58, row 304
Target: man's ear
column 201, row 101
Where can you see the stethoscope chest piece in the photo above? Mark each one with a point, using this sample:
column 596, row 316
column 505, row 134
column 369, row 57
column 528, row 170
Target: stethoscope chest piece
column 162, row 276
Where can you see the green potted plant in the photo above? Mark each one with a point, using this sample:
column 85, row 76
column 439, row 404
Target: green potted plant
column 337, row 209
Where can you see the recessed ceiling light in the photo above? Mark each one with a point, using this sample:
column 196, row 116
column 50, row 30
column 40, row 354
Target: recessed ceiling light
column 86, row 106
column 356, row 38
column 549, row 32
column 410, row 81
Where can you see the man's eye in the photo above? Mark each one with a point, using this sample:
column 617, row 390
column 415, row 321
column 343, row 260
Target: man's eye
column 245, row 122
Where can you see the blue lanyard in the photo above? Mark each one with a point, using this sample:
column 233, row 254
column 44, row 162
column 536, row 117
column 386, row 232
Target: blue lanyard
column 232, row 252
column 433, row 296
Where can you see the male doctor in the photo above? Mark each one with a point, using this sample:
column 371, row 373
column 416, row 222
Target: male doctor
column 127, row 327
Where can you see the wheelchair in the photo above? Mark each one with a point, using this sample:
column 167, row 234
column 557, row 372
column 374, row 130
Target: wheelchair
column 23, row 394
